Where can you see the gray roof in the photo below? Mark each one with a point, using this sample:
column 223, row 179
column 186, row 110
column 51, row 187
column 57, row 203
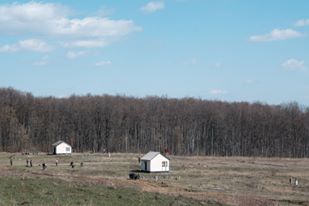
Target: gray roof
column 150, row 155
column 59, row 142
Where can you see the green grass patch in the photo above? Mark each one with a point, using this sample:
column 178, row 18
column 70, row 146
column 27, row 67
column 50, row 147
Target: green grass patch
column 45, row 191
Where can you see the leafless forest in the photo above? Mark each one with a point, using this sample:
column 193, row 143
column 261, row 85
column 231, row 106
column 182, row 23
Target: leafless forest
column 127, row 124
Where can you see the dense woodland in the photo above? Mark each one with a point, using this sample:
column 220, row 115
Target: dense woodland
column 125, row 124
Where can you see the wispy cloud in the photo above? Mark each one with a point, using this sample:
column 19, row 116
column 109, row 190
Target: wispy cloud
column 192, row 61
column 218, row 65
column 54, row 21
column 103, row 63
column 302, row 22
column 42, row 62
column 249, row 81
column 293, row 64
column 217, row 92
column 153, row 6
column 97, row 43
column 75, row 54
column 276, row 34
column 35, row 45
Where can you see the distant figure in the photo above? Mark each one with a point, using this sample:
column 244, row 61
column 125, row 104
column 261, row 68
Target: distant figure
column 11, row 161
column 296, row 182
column 44, row 166
column 82, row 164
column 30, row 162
column 27, row 163
column 139, row 159
column 72, row 164
column 56, row 163
column 109, row 155
column 291, row 180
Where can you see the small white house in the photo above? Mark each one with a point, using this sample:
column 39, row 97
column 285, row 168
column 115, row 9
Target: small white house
column 61, row 147
column 155, row 162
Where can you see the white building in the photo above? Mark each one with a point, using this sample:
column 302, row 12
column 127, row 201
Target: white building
column 61, row 147
column 155, row 162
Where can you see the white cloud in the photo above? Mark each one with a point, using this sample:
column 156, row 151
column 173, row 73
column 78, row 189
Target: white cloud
column 42, row 62
column 293, row 64
column 96, row 43
column 75, row 54
column 218, row 65
column 54, row 21
column 249, row 81
column 276, row 34
column 9, row 48
column 35, row 45
column 153, row 6
column 217, row 92
column 192, row 61
column 302, row 22
column 103, row 63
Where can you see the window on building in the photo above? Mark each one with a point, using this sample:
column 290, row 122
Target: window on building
column 68, row 149
column 164, row 164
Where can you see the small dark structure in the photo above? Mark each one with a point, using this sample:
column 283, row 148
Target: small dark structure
column 44, row 167
column 134, row 176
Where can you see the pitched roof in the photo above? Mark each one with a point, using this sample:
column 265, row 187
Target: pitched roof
column 150, row 155
column 59, row 142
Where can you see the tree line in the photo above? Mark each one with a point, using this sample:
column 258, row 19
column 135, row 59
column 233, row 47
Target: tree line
column 185, row 126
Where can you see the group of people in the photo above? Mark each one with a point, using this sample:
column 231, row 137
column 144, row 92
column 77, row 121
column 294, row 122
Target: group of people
column 29, row 163
column 294, row 181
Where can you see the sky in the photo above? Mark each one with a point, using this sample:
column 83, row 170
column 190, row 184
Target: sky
column 230, row 50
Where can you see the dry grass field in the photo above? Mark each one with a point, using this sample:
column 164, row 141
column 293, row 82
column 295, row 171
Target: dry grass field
column 195, row 180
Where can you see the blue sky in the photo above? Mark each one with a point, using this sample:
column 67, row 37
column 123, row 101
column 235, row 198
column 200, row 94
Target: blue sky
column 231, row 50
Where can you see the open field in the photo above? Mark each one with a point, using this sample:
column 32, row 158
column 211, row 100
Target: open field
column 192, row 181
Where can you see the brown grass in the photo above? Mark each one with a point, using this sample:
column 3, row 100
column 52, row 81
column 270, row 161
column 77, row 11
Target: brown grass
column 229, row 180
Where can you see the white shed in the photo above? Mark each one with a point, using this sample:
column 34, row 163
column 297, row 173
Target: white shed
column 61, row 147
column 155, row 162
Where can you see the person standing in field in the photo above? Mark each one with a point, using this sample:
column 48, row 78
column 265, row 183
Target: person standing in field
column 56, row 163
column 30, row 162
column 44, row 166
column 11, row 161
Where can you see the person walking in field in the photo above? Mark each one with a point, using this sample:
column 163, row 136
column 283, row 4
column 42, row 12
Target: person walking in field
column 30, row 162
column 11, row 161
column 27, row 162
column 56, row 163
